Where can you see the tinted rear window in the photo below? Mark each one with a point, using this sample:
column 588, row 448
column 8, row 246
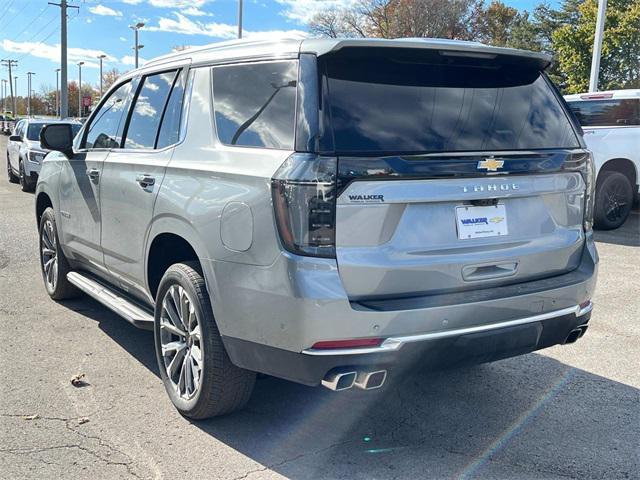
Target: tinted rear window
column 604, row 113
column 399, row 103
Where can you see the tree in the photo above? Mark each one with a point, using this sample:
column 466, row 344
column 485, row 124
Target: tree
column 620, row 61
column 109, row 77
column 398, row 18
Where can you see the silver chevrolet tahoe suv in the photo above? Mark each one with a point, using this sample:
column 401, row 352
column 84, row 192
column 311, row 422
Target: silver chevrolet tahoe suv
column 329, row 212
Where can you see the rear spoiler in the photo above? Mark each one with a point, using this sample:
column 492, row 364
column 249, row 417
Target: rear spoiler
column 458, row 48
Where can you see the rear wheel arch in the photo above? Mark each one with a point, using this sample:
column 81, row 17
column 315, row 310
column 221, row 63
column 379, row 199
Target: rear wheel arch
column 621, row 165
column 165, row 250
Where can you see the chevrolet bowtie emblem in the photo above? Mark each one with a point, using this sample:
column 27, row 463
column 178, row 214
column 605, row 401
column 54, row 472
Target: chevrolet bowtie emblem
column 491, row 164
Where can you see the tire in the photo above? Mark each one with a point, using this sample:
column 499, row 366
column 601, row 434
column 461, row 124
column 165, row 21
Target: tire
column 614, row 199
column 12, row 177
column 209, row 388
column 54, row 276
column 25, row 182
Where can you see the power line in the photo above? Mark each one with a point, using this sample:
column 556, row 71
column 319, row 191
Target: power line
column 32, row 22
column 11, row 17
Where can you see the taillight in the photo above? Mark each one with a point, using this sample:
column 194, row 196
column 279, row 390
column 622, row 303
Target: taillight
column 583, row 162
column 304, row 202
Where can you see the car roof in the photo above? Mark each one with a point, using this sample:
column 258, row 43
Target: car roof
column 248, row 49
column 604, row 95
column 48, row 121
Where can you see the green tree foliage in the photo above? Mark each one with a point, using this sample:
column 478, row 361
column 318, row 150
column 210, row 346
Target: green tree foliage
column 572, row 43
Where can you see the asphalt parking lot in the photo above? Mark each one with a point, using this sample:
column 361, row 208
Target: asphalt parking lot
column 567, row 412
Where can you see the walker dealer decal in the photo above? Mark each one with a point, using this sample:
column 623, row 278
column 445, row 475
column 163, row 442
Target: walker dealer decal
column 356, row 198
column 478, row 222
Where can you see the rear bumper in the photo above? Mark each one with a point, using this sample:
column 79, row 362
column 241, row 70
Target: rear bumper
column 297, row 302
column 430, row 351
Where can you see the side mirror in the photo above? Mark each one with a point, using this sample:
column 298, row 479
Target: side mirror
column 58, row 137
column 15, row 138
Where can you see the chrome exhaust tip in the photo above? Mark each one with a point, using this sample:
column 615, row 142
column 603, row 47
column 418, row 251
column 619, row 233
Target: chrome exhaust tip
column 573, row 336
column 338, row 380
column 370, row 380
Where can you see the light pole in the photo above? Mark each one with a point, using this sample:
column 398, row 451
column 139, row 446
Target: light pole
column 239, row 18
column 597, row 46
column 15, row 89
column 57, row 93
column 4, row 93
column 100, row 57
column 29, row 74
column 80, row 89
column 137, row 47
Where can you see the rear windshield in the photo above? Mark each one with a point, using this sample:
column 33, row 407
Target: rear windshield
column 605, row 113
column 398, row 103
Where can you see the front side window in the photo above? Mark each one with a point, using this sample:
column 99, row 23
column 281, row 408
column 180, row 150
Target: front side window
column 148, row 110
column 255, row 104
column 105, row 130
column 606, row 113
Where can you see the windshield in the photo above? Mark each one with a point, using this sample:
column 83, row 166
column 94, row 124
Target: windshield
column 395, row 102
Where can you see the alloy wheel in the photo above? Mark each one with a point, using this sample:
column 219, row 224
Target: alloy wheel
column 615, row 203
column 181, row 342
column 49, row 255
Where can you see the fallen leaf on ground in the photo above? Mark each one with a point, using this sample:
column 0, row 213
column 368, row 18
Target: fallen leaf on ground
column 31, row 417
column 82, row 420
column 77, row 380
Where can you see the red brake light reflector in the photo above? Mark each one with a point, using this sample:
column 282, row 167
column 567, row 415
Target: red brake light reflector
column 354, row 343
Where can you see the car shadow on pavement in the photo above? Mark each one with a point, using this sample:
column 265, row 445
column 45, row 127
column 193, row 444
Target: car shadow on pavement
column 530, row 416
column 628, row 234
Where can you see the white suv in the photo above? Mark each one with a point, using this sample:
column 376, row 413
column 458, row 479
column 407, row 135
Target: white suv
column 611, row 124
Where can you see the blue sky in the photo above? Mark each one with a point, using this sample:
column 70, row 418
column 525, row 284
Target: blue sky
column 30, row 30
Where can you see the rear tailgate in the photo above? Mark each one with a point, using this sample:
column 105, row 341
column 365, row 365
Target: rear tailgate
column 416, row 237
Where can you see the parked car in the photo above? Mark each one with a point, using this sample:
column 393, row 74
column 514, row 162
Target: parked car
column 611, row 124
column 25, row 154
column 325, row 211
column 7, row 123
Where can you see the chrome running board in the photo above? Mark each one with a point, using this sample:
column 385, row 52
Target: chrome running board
column 113, row 300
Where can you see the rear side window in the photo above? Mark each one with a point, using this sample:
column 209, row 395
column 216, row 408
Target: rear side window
column 148, row 110
column 607, row 113
column 105, row 130
column 255, row 104
column 406, row 102
column 170, row 128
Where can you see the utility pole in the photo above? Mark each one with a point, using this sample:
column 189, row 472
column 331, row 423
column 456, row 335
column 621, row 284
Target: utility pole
column 9, row 63
column 57, row 93
column 597, row 46
column 4, row 93
column 29, row 93
column 136, row 47
column 100, row 57
column 239, row 18
column 80, row 89
column 64, row 92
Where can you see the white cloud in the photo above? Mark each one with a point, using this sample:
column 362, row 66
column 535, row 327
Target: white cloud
column 301, row 11
column 196, row 12
column 123, row 39
column 177, row 3
column 186, row 26
column 52, row 52
column 105, row 11
column 132, row 2
column 130, row 60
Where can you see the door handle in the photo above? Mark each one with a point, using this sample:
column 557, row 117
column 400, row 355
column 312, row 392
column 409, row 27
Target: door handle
column 145, row 180
column 93, row 173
